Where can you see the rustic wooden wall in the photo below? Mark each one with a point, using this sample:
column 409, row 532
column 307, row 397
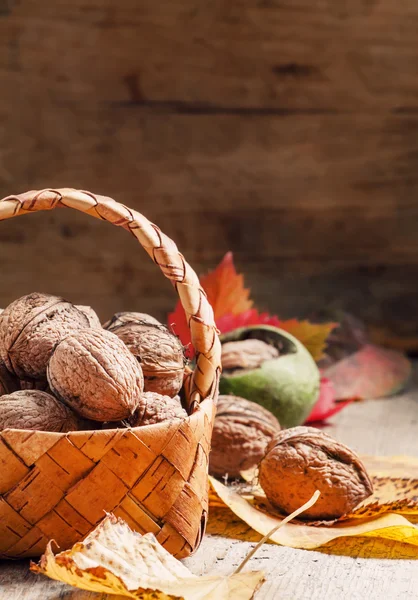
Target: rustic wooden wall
column 285, row 130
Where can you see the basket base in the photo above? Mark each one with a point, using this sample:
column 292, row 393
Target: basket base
column 60, row 486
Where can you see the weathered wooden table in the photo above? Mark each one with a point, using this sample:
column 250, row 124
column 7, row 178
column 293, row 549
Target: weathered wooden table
column 381, row 427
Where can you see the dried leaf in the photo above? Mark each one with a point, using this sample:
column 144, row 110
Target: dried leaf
column 312, row 335
column 401, row 466
column 348, row 337
column 177, row 322
column 372, row 372
column 395, row 483
column 116, row 560
column 306, row 506
column 327, row 404
column 250, row 317
column 225, row 289
column 386, row 527
column 232, row 308
column 226, row 294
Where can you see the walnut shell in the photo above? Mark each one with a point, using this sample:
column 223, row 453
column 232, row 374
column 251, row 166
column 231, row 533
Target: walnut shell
column 8, row 382
column 31, row 327
column 300, row 461
column 91, row 315
column 93, row 372
column 155, row 408
column 33, row 409
column 241, row 433
column 246, row 354
column 121, row 318
column 160, row 354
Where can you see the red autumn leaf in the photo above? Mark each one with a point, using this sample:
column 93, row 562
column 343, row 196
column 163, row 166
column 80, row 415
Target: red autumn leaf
column 232, row 307
column 225, row 289
column 245, row 319
column 327, row 405
column 372, row 372
column 226, row 294
column 177, row 322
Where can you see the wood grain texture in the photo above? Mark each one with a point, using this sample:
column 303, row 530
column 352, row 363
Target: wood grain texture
column 258, row 56
column 284, row 131
column 293, row 574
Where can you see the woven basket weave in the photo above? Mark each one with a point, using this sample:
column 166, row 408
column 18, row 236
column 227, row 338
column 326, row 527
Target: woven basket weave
column 57, row 485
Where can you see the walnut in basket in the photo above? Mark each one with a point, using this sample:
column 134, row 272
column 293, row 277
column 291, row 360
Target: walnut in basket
column 93, row 372
column 155, row 408
column 31, row 327
column 300, row 461
column 160, row 354
column 121, row 318
column 33, row 409
column 90, row 314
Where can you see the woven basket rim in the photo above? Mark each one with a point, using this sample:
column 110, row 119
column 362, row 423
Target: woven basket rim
column 203, row 405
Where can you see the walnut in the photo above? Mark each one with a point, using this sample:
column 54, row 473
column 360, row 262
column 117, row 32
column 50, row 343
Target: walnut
column 246, row 354
column 93, row 372
column 30, row 328
column 32, row 409
column 121, row 318
column 90, row 314
column 160, row 354
column 304, row 459
column 241, row 433
column 8, row 382
column 155, row 408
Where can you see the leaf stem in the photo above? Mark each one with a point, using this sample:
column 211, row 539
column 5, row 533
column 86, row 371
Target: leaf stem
column 294, row 514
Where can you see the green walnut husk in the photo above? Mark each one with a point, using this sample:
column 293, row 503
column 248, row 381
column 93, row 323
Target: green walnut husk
column 287, row 386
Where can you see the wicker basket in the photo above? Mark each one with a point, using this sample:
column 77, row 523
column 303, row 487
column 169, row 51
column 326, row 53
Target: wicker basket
column 56, row 485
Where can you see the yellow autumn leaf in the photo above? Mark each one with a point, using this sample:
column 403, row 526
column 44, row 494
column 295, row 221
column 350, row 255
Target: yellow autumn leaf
column 395, row 487
column 401, row 466
column 389, row 527
column 312, row 335
column 116, row 560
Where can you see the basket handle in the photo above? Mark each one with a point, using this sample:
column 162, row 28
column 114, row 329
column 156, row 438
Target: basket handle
column 203, row 383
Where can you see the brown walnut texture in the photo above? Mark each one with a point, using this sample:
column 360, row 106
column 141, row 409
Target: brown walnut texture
column 93, row 372
column 91, row 315
column 33, row 409
column 155, row 408
column 246, row 354
column 241, row 433
column 31, row 327
column 160, row 354
column 300, row 461
column 121, row 318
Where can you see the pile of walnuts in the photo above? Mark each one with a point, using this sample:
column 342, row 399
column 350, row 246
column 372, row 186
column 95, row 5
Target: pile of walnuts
column 292, row 463
column 60, row 370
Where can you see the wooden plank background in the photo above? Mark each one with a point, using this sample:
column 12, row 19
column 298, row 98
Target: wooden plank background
column 284, row 130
